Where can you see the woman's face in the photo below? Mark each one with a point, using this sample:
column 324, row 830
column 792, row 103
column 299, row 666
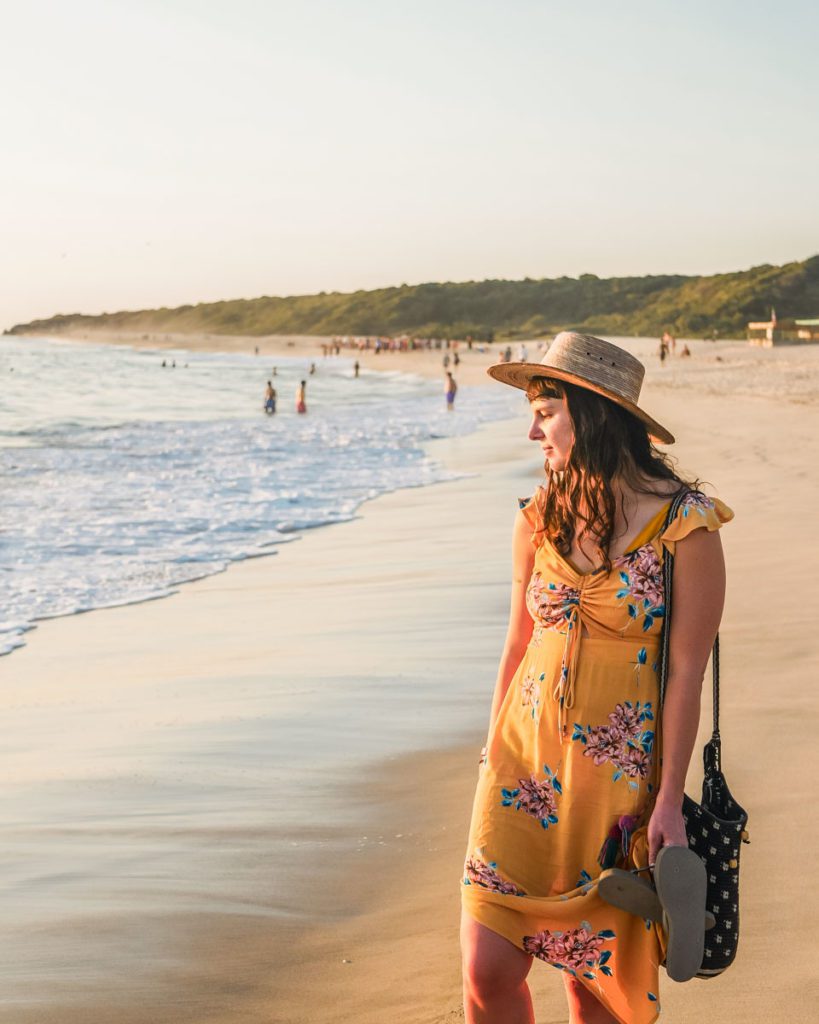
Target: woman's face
column 552, row 429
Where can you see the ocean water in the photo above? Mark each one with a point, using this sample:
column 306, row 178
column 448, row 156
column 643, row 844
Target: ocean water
column 122, row 479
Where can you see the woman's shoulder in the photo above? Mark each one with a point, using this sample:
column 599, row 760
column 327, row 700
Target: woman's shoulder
column 531, row 509
column 529, row 506
column 696, row 511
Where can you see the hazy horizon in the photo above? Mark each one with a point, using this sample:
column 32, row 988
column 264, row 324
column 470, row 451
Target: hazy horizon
column 182, row 152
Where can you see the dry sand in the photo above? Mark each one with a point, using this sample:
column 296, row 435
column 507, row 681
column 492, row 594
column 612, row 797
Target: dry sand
column 379, row 939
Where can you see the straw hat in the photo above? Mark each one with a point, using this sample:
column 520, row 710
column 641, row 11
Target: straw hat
column 590, row 363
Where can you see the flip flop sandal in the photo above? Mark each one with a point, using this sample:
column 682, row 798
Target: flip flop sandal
column 681, row 882
column 627, row 891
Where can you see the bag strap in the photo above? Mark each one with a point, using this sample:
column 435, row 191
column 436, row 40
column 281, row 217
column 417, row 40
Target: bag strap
column 712, row 749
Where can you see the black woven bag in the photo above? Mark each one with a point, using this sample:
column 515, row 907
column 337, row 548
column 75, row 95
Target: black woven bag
column 716, row 827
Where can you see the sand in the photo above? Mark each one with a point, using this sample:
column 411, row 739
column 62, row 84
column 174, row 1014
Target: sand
column 104, row 926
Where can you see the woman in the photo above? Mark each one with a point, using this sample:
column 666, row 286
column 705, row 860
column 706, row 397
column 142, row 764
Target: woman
column 301, row 397
column 570, row 781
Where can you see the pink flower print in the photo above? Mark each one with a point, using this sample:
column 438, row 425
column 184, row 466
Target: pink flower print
column 478, row 872
column 572, row 950
column 602, row 743
column 537, row 798
column 696, row 500
column 550, row 604
column 626, row 719
column 635, row 763
column 534, row 796
column 625, row 742
column 641, row 576
column 646, row 574
column 580, row 948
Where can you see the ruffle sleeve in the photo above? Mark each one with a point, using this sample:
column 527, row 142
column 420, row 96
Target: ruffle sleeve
column 696, row 511
column 531, row 512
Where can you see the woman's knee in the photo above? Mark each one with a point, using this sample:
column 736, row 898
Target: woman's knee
column 491, row 964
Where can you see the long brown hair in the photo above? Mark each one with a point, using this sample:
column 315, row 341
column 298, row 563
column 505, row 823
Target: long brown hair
column 609, row 443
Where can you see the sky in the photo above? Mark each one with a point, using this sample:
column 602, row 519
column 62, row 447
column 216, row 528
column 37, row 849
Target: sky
column 164, row 152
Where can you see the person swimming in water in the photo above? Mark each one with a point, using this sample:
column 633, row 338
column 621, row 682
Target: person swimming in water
column 269, row 399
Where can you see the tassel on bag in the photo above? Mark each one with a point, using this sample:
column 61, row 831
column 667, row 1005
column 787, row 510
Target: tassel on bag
column 617, row 841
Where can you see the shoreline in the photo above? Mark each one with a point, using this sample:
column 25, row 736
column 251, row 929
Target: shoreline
column 427, row 363
column 390, row 906
column 720, row 368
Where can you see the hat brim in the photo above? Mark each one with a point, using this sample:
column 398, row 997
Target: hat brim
column 519, row 375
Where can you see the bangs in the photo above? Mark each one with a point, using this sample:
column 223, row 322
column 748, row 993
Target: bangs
column 545, row 387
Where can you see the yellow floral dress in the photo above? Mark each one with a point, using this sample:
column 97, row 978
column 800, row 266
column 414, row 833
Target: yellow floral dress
column 570, row 767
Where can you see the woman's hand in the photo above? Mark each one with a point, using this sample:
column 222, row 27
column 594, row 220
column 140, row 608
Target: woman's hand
column 665, row 828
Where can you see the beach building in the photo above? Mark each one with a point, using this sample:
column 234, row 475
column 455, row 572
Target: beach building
column 791, row 331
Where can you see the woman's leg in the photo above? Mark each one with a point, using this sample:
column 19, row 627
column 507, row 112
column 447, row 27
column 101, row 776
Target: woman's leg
column 494, row 975
column 584, row 1008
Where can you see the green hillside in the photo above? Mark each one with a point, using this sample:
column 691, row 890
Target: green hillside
column 687, row 306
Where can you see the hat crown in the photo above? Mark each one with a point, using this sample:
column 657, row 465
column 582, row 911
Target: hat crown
column 597, row 361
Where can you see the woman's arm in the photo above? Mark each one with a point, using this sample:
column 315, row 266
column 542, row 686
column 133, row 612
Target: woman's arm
column 519, row 632
column 698, row 597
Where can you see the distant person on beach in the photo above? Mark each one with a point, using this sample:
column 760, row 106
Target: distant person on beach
column 446, row 361
column 312, row 369
column 270, row 399
column 451, row 388
column 662, row 351
column 577, row 852
column 356, row 368
column 456, row 360
column 301, row 397
column 686, row 351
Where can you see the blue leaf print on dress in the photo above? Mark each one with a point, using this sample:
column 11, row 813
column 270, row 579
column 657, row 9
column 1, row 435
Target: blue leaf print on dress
column 641, row 660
